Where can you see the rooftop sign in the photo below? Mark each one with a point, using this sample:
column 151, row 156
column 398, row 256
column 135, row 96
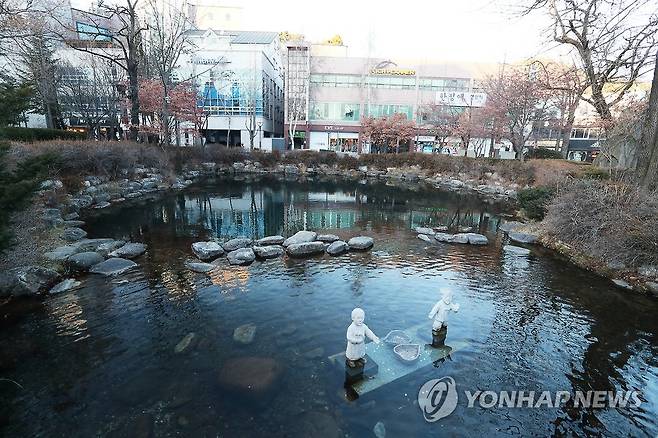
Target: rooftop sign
column 393, row 72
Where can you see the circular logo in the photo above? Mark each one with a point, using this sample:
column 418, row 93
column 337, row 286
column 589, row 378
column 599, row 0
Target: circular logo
column 437, row 398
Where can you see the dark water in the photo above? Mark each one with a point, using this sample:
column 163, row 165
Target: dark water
column 100, row 361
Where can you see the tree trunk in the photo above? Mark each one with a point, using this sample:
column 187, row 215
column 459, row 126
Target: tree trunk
column 566, row 135
column 133, row 94
column 647, row 164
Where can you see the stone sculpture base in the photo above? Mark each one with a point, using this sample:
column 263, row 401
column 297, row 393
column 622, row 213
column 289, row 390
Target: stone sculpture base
column 361, row 371
column 439, row 336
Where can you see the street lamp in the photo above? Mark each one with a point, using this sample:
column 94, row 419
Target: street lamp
column 260, row 135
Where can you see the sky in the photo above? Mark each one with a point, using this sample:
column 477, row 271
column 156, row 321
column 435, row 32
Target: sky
column 448, row 30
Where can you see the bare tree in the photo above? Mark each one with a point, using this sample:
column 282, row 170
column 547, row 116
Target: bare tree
column 614, row 41
column 647, row 168
column 165, row 42
column 296, row 112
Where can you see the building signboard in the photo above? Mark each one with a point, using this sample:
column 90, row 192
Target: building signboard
column 460, row 98
column 199, row 60
column 392, row 72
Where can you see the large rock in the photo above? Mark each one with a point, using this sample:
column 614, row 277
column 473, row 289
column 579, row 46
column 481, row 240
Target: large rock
column 425, row 238
column 270, row 240
column 244, row 334
column 425, row 230
column 91, row 244
column 516, row 250
column 443, row 237
column 83, row 261
column 477, row 239
column 268, row 252
column 305, row 249
column 207, row 250
column 65, row 285
column 113, row 266
column 129, row 251
column 107, row 248
column 300, row 237
column 459, row 238
column 361, row 243
column 522, row 237
column 233, row 244
column 53, row 217
column 72, row 234
column 61, row 253
column 201, row 268
column 27, row 280
column 255, row 378
column 327, row 238
column 242, row 256
column 338, row 247
column 510, row 226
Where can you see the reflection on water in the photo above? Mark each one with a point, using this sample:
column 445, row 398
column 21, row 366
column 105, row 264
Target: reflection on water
column 100, row 360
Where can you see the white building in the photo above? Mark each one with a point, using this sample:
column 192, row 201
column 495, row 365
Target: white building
column 240, row 80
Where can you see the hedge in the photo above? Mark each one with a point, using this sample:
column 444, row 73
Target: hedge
column 38, row 134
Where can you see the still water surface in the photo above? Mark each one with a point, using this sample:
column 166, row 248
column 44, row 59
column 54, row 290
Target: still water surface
column 100, row 361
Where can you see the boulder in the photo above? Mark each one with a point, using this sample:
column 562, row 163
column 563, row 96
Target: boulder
column 424, row 238
column 522, row 237
column 244, row 334
column 648, row 271
column 459, row 238
column 440, row 229
column 242, row 256
column 338, row 247
column 255, row 378
column 71, row 216
column 327, row 238
column 361, row 243
column 300, row 237
column 61, row 253
column 305, row 249
column 510, row 226
column 113, row 266
column 106, row 248
column 52, row 217
column 443, row 237
column 233, row 244
column 207, row 250
column 425, row 230
column 65, row 285
column 270, row 240
column 268, row 252
column 83, row 261
column 516, row 250
column 73, row 234
column 27, row 281
column 129, row 251
column 201, row 268
column 82, row 201
column 477, row 239
column 90, row 244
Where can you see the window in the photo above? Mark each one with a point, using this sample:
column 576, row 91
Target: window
column 334, row 111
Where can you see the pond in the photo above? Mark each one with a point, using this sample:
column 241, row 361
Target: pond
column 101, row 360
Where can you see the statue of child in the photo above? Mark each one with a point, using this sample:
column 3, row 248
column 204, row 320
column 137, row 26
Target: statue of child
column 356, row 336
column 440, row 311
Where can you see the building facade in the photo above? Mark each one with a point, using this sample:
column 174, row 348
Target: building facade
column 239, row 75
column 327, row 97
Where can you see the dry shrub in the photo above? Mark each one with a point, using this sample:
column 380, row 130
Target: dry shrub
column 614, row 222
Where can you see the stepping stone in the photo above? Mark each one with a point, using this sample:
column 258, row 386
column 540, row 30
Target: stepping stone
column 361, row 243
column 327, row 238
column 129, row 250
column 300, row 237
column 73, row 234
column 84, row 260
column 270, row 240
column 201, row 268
column 522, row 237
column 65, row 285
column 338, row 247
column 113, row 266
column 242, row 256
column 233, row 244
column 268, row 252
column 305, row 249
column 207, row 250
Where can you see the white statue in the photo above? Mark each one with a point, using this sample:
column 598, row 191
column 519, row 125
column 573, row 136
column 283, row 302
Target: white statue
column 439, row 312
column 356, row 337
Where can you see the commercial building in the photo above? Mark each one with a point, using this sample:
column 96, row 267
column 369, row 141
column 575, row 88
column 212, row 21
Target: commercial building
column 327, row 97
column 240, row 79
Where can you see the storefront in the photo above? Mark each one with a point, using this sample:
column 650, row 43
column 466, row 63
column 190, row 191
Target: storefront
column 336, row 138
